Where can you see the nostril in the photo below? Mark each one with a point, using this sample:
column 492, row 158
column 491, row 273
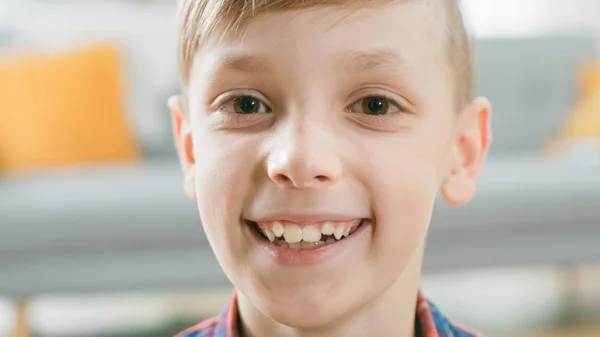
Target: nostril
column 286, row 180
column 282, row 178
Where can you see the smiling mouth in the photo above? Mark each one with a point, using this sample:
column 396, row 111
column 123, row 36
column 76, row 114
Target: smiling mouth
column 305, row 236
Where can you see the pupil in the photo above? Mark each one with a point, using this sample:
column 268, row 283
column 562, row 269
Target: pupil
column 377, row 105
column 247, row 105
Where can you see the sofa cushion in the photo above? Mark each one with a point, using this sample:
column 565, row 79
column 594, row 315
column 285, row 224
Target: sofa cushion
column 97, row 208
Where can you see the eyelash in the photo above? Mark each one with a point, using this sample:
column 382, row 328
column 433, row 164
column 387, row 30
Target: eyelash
column 387, row 97
column 228, row 99
column 222, row 115
column 231, row 117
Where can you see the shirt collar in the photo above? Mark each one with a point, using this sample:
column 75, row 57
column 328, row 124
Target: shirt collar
column 429, row 322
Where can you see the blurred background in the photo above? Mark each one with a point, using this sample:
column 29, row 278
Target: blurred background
column 97, row 238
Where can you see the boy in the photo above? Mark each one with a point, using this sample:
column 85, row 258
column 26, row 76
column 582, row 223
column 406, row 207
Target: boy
column 314, row 136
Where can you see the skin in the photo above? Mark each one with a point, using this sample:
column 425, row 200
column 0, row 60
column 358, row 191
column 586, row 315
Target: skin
column 313, row 148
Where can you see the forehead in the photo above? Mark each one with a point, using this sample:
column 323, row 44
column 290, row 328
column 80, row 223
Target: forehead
column 414, row 22
column 401, row 35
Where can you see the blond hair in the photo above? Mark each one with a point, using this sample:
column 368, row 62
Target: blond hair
column 199, row 19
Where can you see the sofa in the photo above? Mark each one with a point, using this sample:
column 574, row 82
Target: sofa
column 110, row 227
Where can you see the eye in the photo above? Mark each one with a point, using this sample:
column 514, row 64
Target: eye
column 240, row 110
column 375, row 105
column 245, row 105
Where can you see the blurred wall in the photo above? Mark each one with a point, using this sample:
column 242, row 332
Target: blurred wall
column 533, row 17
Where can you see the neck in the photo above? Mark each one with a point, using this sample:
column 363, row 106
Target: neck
column 392, row 313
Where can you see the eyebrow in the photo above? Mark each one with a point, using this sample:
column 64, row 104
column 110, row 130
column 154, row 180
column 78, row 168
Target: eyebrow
column 352, row 62
column 361, row 61
column 250, row 63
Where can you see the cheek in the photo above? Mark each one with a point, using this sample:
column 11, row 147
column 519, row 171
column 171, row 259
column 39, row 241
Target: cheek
column 223, row 177
column 404, row 192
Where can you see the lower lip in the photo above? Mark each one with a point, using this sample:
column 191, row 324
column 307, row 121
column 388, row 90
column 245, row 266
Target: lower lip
column 306, row 257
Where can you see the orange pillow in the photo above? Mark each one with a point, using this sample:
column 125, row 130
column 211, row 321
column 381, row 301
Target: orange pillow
column 63, row 110
column 583, row 121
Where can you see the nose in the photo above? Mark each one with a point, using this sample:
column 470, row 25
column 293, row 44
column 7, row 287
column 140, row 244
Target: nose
column 303, row 159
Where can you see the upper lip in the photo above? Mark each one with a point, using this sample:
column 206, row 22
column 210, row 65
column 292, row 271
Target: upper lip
column 306, row 218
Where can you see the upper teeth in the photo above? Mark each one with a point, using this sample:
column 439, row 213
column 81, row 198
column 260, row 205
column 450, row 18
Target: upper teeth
column 292, row 233
column 328, row 228
column 295, row 233
column 339, row 232
column 277, row 229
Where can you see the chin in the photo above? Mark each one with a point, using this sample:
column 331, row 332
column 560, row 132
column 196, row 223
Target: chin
column 308, row 306
column 306, row 314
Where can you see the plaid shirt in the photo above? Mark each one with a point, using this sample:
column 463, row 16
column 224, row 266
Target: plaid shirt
column 428, row 323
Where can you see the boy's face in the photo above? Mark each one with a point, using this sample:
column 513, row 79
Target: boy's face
column 335, row 116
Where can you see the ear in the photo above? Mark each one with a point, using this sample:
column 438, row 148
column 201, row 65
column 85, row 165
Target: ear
column 182, row 137
column 469, row 153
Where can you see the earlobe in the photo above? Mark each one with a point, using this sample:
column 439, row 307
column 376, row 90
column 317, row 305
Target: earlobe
column 184, row 145
column 469, row 154
column 458, row 189
column 189, row 185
